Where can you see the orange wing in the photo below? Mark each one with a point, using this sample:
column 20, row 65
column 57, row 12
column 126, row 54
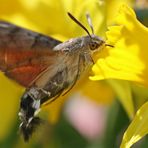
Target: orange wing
column 25, row 75
column 25, row 65
column 24, row 54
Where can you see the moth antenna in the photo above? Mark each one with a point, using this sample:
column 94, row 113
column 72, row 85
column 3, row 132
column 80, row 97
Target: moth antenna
column 76, row 21
column 90, row 22
column 109, row 45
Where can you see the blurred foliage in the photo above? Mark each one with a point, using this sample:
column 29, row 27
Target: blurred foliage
column 142, row 15
column 65, row 136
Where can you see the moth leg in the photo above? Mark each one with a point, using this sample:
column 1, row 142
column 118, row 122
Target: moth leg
column 73, row 84
column 48, row 101
column 80, row 69
column 88, row 60
column 45, row 92
column 57, row 84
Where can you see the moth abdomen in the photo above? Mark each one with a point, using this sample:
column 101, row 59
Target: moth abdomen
column 29, row 106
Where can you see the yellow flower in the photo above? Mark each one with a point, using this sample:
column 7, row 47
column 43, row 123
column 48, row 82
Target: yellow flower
column 50, row 17
column 128, row 59
column 8, row 104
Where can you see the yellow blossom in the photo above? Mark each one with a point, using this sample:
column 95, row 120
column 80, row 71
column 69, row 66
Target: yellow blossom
column 8, row 107
column 128, row 59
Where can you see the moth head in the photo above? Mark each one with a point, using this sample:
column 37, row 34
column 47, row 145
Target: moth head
column 94, row 41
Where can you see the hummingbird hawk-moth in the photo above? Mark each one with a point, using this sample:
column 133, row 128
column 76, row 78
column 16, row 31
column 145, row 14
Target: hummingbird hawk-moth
column 45, row 66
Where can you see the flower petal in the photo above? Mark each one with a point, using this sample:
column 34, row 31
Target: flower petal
column 137, row 129
column 128, row 59
column 9, row 94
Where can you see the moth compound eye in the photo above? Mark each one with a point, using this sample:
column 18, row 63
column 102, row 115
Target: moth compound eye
column 93, row 45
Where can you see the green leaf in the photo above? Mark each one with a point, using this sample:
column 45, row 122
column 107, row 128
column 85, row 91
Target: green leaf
column 123, row 91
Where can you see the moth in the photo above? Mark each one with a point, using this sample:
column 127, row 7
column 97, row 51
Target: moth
column 45, row 66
